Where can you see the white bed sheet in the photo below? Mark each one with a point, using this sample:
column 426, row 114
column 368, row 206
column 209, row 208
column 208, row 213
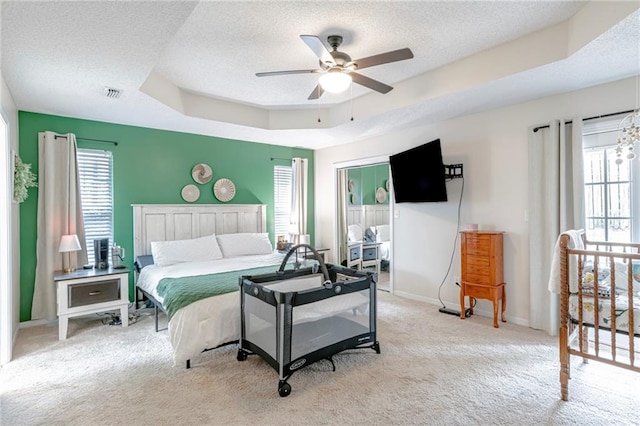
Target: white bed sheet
column 209, row 322
column 385, row 250
column 151, row 275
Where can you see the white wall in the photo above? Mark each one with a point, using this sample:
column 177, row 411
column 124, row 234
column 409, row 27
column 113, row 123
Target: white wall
column 10, row 114
column 493, row 146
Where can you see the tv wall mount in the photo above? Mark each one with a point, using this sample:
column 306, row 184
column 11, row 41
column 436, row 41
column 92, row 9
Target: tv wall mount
column 453, row 171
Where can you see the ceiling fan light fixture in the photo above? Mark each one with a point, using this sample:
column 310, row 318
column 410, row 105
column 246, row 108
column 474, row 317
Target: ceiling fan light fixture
column 335, row 81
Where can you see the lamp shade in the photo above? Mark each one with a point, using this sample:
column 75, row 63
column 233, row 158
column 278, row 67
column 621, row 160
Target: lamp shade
column 335, row 81
column 69, row 243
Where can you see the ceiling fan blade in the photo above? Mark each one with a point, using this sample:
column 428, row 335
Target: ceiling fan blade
column 384, row 58
column 267, row 74
column 318, row 48
column 317, row 92
column 370, row 83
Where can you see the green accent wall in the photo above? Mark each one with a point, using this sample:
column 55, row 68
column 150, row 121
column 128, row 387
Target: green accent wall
column 366, row 180
column 151, row 167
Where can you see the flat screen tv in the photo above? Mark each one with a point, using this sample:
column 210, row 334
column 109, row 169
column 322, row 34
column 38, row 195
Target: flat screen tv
column 418, row 174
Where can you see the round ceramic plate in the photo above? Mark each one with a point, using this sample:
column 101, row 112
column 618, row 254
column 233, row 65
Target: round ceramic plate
column 386, row 184
column 381, row 195
column 202, row 173
column 224, row 190
column 351, row 185
column 190, row 193
column 353, row 198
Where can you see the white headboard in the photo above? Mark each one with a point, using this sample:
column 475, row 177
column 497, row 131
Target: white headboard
column 167, row 222
column 354, row 215
column 375, row 215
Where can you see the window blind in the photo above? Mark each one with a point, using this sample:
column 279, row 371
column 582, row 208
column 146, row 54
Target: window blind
column 282, row 187
column 95, row 168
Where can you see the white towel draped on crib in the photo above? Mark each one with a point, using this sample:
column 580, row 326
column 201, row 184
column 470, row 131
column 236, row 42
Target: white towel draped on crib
column 575, row 242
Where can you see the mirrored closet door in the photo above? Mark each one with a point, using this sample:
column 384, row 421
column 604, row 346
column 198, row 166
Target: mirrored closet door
column 364, row 218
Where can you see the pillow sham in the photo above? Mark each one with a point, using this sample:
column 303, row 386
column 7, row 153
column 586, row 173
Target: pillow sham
column 244, row 244
column 382, row 233
column 201, row 249
column 354, row 233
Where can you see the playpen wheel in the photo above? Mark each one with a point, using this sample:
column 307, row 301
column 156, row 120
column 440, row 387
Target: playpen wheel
column 242, row 355
column 284, row 389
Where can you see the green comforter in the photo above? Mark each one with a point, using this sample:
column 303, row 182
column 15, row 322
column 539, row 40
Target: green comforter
column 182, row 291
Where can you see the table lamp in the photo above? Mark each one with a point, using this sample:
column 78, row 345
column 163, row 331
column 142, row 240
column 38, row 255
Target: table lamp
column 69, row 243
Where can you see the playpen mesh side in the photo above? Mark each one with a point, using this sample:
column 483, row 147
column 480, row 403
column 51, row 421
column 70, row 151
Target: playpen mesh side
column 320, row 324
column 260, row 316
column 313, row 326
column 260, row 325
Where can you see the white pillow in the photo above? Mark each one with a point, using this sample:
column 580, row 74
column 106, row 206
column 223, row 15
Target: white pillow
column 354, row 233
column 194, row 250
column 244, row 244
column 382, row 233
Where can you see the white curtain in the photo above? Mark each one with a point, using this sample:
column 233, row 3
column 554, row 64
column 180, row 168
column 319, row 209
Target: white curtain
column 300, row 189
column 556, row 203
column 59, row 213
column 342, row 192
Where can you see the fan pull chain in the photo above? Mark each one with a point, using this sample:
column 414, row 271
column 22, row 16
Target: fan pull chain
column 318, row 104
column 351, row 87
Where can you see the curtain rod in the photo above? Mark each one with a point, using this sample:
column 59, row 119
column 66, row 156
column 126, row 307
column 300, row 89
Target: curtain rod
column 588, row 118
column 282, row 159
column 89, row 139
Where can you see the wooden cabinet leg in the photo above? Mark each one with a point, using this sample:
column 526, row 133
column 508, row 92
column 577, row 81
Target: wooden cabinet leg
column 495, row 313
column 504, row 304
column 462, row 303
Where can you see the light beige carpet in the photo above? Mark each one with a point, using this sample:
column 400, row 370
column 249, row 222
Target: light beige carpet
column 433, row 369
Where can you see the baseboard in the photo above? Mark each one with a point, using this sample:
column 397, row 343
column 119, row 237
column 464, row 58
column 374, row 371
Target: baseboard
column 35, row 323
column 456, row 305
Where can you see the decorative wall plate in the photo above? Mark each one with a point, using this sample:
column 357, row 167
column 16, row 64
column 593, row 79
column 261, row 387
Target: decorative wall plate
column 224, row 190
column 202, row 173
column 386, row 185
column 353, row 198
column 190, row 193
column 381, row 195
column 350, row 185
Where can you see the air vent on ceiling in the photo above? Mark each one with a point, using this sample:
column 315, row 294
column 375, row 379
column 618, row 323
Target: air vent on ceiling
column 110, row 92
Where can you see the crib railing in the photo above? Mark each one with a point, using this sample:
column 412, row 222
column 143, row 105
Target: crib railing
column 599, row 254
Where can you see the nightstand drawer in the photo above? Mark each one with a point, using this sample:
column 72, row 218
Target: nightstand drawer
column 370, row 253
column 354, row 253
column 92, row 293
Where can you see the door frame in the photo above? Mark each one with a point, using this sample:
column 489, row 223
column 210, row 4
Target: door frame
column 6, row 282
column 363, row 162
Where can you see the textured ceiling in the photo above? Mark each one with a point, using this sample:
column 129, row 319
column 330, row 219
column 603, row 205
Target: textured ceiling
column 190, row 66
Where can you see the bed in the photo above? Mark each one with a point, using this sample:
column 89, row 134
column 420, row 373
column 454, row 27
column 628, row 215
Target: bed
column 180, row 239
column 599, row 286
column 370, row 224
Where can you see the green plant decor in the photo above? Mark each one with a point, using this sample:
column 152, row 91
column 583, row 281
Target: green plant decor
column 23, row 178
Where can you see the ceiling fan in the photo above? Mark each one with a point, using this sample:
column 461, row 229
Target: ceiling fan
column 337, row 68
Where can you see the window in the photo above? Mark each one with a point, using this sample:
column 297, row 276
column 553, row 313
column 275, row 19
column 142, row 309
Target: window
column 96, row 187
column 282, row 193
column 609, row 189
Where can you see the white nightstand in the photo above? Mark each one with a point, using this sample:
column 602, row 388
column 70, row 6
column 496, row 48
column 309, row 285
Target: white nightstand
column 354, row 255
column 371, row 256
column 88, row 291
